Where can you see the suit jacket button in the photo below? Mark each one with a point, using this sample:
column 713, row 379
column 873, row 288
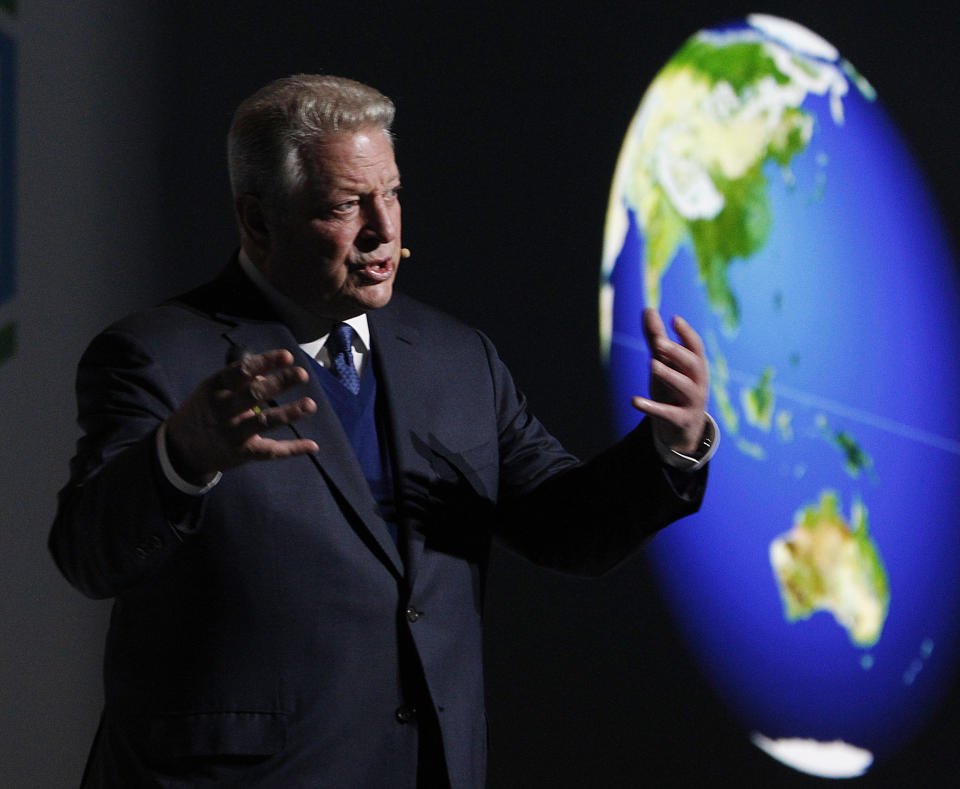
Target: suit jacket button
column 412, row 614
column 406, row 713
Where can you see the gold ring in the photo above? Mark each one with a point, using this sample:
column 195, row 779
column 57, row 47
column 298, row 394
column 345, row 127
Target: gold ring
column 257, row 410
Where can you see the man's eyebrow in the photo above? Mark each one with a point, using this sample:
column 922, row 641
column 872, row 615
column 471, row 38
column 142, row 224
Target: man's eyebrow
column 327, row 187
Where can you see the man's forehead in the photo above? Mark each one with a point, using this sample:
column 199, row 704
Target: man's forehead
column 350, row 158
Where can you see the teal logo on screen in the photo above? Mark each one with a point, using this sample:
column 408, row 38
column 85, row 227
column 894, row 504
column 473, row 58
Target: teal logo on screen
column 763, row 193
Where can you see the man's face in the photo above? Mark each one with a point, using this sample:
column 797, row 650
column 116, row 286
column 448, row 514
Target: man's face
column 337, row 247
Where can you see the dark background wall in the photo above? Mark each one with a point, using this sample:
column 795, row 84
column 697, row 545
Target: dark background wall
column 510, row 121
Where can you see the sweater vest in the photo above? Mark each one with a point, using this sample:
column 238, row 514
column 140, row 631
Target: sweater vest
column 358, row 416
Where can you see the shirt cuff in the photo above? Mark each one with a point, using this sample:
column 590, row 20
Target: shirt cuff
column 706, row 450
column 172, row 476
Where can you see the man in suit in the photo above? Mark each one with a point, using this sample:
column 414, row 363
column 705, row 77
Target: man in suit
column 289, row 479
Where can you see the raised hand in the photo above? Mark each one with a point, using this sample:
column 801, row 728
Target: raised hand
column 220, row 425
column 679, row 383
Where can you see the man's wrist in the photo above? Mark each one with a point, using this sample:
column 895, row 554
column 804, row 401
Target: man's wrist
column 171, row 474
column 709, row 442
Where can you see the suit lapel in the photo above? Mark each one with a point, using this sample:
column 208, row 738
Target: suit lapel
column 335, row 460
column 407, row 397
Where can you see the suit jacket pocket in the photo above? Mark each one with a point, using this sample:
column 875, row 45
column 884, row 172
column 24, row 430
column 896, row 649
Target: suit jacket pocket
column 214, row 734
column 474, row 467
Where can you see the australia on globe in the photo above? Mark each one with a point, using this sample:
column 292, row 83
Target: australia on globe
column 822, row 564
column 762, row 192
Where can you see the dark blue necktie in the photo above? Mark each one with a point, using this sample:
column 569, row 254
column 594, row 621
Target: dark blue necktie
column 340, row 345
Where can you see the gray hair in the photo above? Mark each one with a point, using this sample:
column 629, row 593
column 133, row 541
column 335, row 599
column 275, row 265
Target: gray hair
column 272, row 129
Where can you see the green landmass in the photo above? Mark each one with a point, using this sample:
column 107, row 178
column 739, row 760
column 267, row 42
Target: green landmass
column 738, row 231
column 695, row 163
column 664, row 229
column 719, row 380
column 758, row 401
column 742, row 226
column 824, row 564
column 758, row 404
column 731, row 420
column 740, row 64
column 856, row 459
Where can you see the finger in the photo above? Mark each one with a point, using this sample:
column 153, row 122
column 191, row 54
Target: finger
column 672, row 414
column 679, row 428
column 248, row 392
column 238, row 373
column 261, row 448
column 254, row 421
column 265, row 387
column 659, row 342
column 688, row 336
column 685, row 389
column 663, row 348
column 679, row 358
column 653, row 328
column 263, row 363
column 678, row 418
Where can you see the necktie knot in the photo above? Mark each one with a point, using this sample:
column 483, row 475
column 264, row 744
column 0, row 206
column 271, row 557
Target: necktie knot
column 342, row 365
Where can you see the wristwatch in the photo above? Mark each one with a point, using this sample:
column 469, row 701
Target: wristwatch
column 707, row 449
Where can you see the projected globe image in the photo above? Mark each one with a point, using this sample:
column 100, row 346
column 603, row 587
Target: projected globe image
column 762, row 193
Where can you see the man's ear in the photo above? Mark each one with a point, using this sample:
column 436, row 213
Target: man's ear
column 253, row 224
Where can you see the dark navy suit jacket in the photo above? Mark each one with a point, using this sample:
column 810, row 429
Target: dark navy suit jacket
column 271, row 633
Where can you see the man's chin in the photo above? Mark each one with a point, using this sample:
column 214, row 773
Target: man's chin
column 366, row 299
column 373, row 297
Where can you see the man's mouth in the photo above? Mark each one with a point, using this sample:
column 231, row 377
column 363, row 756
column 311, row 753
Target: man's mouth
column 375, row 271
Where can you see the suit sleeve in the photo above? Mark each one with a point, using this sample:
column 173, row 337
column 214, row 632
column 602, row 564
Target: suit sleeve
column 118, row 518
column 580, row 517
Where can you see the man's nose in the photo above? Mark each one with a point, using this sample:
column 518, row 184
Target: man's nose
column 380, row 224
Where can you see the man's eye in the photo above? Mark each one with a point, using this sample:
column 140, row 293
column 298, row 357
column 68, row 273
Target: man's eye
column 344, row 207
